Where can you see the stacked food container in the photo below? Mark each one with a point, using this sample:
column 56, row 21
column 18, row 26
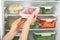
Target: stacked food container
column 43, row 28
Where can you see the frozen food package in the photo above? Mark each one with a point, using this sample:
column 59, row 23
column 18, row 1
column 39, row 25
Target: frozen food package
column 28, row 11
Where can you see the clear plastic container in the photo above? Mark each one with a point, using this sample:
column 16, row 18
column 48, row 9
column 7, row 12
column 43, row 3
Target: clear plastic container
column 44, row 35
column 28, row 11
column 47, row 21
column 46, row 9
column 14, row 8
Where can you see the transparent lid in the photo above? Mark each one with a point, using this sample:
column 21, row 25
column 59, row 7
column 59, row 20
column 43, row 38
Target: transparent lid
column 47, row 18
column 45, row 33
column 47, row 7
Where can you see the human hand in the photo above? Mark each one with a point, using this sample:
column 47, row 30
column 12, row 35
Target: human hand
column 16, row 25
column 33, row 16
column 31, row 19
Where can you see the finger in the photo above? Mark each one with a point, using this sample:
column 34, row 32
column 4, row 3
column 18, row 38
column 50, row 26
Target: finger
column 35, row 13
column 20, row 25
column 31, row 17
column 17, row 21
column 21, row 22
column 34, row 19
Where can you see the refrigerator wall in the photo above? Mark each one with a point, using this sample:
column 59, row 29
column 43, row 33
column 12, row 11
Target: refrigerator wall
column 57, row 12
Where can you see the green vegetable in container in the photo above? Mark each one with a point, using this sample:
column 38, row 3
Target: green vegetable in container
column 46, row 9
column 16, row 38
column 42, row 10
column 44, row 36
column 39, row 37
column 35, row 25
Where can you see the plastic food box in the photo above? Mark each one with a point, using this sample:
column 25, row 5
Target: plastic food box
column 47, row 21
column 46, row 9
column 28, row 11
column 14, row 9
column 44, row 35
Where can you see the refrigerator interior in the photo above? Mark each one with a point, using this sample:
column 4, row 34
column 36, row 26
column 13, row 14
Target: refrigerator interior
column 55, row 12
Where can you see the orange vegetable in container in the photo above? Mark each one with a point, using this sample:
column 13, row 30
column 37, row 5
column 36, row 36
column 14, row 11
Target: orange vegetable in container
column 47, row 21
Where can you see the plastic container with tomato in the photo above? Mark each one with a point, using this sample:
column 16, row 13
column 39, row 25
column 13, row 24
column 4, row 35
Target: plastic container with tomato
column 47, row 21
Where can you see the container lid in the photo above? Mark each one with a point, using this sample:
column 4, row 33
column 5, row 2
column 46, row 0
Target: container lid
column 45, row 34
column 47, row 18
column 47, row 7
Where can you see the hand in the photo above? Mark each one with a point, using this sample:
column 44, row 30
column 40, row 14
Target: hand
column 14, row 29
column 31, row 19
column 17, row 25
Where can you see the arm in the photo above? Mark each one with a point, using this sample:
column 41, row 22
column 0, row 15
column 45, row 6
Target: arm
column 26, row 27
column 14, row 30
column 9, row 36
